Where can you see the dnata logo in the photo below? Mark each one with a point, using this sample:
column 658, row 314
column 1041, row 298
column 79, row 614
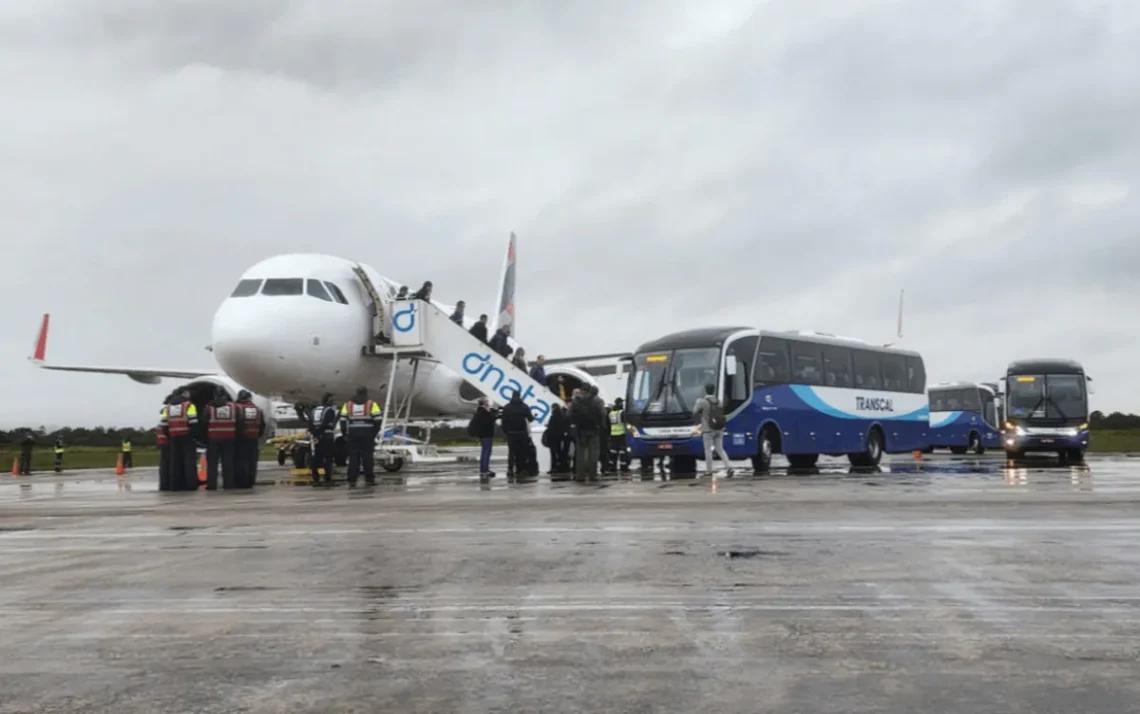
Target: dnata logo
column 405, row 320
column 479, row 367
column 873, row 404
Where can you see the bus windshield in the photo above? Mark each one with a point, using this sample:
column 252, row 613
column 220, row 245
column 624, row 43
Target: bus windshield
column 1049, row 396
column 671, row 381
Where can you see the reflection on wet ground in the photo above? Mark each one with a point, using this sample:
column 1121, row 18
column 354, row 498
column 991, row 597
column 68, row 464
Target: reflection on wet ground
column 953, row 585
column 1108, row 474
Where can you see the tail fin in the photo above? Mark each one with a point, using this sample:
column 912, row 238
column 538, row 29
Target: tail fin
column 40, row 352
column 506, row 301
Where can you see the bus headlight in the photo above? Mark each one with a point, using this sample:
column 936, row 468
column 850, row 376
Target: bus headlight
column 697, row 430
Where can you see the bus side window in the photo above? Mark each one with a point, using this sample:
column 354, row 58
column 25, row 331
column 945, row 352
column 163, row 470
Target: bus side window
column 916, row 375
column 894, row 373
column 772, row 362
column 807, row 364
column 866, row 369
column 837, row 369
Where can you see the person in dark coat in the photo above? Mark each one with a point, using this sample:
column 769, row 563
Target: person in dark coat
column 482, row 427
column 538, row 371
column 479, row 329
column 516, row 419
column 424, row 293
column 556, row 439
column 499, row 342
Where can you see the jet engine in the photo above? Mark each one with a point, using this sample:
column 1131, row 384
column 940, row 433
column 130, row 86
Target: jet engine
column 202, row 393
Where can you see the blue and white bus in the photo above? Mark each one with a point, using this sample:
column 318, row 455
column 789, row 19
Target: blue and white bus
column 964, row 417
column 800, row 394
column 1046, row 408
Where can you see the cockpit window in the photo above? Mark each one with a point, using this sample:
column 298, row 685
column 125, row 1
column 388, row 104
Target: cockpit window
column 314, row 288
column 336, row 293
column 246, row 287
column 284, row 286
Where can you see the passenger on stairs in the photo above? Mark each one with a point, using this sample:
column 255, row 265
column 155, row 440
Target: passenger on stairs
column 516, row 419
column 538, row 372
column 479, row 329
column 457, row 316
column 402, row 293
column 519, row 360
column 499, row 342
column 560, row 388
column 424, row 293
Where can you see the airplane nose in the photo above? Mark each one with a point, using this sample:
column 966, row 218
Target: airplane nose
column 249, row 345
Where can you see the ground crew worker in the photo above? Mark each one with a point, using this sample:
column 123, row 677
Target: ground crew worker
column 221, row 431
column 619, row 454
column 58, row 449
column 181, row 419
column 360, row 422
column 126, row 454
column 603, row 427
column 322, row 437
column 162, row 441
column 251, row 427
column 27, row 444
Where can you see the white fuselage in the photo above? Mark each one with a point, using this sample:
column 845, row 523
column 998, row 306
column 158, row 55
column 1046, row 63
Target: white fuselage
column 298, row 347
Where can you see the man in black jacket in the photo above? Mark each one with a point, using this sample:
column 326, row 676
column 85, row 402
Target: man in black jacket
column 516, row 421
column 479, row 329
column 499, row 342
column 556, row 437
column 482, row 427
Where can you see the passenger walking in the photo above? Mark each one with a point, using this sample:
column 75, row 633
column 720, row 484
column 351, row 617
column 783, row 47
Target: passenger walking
column 360, row 422
column 479, row 329
column 585, row 418
column 251, row 427
column 519, row 360
column 162, row 441
column 482, row 427
column 516, row 418
column 57, row 448
column 424, row 293
column 402, row 293
column 499, row 341
column 27, row 447
column 560, row 388
column 710, row 416
column 181, row 422
column 221, row 433
column 457, row 316
column 322, row 437
column 538, row 371
column 125, row 452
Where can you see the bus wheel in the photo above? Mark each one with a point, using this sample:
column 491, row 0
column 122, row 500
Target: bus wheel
column 975, row 446
column 762, row 461
column 281, row 457
column 872, row 453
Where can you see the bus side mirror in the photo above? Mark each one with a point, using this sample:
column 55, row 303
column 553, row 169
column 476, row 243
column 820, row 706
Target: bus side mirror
column 1088, row 381
column 730, row 365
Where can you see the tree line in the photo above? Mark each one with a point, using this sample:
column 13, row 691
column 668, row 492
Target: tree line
column 114, row 436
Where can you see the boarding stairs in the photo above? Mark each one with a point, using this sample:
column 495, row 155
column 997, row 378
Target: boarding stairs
column 420, row 330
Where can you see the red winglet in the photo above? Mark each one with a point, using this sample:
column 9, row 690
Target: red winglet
column 41, row 341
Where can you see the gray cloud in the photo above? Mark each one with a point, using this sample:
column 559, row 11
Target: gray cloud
column 781, row 164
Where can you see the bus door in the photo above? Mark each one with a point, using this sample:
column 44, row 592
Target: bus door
column 991, row 430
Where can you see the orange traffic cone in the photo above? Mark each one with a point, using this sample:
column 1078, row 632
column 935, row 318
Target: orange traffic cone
column 119, row 470
column 202, row 470
column 16, row 466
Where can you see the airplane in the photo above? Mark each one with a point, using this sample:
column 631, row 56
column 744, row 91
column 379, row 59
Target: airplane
column 294, row 328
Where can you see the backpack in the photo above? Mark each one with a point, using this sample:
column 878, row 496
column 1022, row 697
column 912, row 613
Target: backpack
column 716, row 415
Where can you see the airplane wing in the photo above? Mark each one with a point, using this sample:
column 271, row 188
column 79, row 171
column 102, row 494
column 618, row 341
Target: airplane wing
column 143, row 375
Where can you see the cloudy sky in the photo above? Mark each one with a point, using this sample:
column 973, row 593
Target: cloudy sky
column 666, row 164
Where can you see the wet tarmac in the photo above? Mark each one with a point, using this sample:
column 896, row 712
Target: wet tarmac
column 954, row 585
